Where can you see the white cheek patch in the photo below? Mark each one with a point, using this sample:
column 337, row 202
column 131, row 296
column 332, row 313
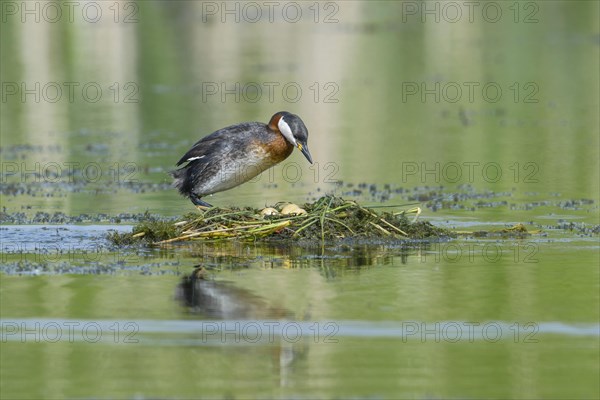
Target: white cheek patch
column 194, row 158
column 286, row 131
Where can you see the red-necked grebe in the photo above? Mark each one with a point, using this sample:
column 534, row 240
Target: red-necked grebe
column 235, row 154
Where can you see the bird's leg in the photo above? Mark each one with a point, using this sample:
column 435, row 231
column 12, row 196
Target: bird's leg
column 198, row 201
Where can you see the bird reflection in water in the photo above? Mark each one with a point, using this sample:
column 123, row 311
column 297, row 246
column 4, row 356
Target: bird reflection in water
column 224, row 301
column 216, row 300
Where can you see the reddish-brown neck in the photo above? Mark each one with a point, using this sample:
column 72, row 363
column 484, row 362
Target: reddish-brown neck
column 273, row 123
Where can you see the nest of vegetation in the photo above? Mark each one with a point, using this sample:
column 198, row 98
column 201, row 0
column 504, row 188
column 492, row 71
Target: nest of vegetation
column 327, row 219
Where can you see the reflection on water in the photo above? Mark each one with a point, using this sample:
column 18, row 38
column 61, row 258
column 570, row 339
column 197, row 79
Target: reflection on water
column 252, row 332
column 300, row 323
column 220, row 300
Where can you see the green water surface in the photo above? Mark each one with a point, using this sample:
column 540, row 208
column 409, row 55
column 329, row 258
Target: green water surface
column 493, row 115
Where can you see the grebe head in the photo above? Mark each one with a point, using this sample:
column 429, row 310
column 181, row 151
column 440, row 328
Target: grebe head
column 293, row 130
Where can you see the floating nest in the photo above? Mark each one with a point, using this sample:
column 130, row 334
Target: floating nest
column 327, row 219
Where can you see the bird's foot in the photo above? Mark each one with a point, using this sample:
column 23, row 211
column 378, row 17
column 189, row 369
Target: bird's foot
column 199, row 203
